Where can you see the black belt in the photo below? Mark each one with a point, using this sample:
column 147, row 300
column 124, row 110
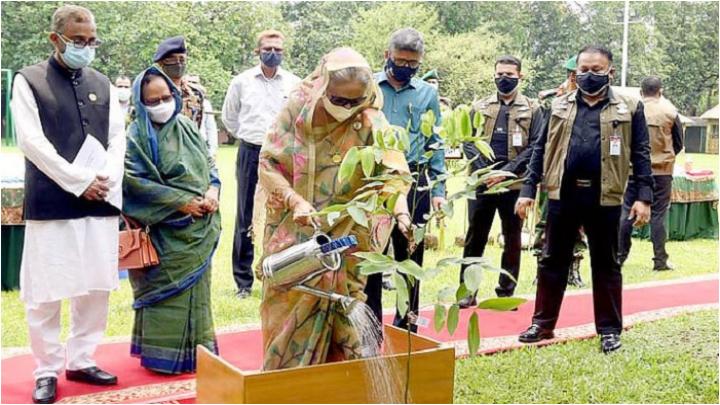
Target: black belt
column 250, row 145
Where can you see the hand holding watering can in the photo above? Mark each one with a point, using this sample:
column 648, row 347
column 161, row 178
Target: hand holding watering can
column 301, row 210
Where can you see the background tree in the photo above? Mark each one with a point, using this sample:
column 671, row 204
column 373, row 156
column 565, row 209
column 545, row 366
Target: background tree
column 677, row 41
column 372, row 28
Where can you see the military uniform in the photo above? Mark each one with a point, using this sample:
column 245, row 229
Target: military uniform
column 193, row 96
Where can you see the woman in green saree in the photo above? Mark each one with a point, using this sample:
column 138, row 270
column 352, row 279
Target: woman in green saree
column 171, row 186
column 334, row 109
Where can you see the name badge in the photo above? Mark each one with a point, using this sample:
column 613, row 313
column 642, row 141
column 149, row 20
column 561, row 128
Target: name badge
column 615, row 145
column 517, row 138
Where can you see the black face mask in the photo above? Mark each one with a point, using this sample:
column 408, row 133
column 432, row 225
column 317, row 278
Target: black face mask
column 592, row 84
column 403, row 74
column 506, row 85
column 175, row 71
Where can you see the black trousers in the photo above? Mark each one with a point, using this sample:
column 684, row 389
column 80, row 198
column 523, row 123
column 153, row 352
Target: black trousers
column 482, row 214
column 580, row 206
column 658, row 215
column 246, row 173
column 419, row 205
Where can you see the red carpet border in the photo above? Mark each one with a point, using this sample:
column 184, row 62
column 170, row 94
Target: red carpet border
column 244, row 349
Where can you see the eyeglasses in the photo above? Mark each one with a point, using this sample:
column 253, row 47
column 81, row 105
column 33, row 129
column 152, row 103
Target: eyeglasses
column 407, row 63
column 346, row 102
column 79, row 43
column 163, row 99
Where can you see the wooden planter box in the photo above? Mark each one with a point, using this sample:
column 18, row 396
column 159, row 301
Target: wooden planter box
column 432, row 373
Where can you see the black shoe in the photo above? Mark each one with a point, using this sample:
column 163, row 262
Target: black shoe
column 610, row 342
column 45, row 390
column 467, row 302
column 91, row 375
column 663, row 267
column 243, row 293
column 535, row 334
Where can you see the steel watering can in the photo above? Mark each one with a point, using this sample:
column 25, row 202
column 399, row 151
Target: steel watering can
column 293, row 267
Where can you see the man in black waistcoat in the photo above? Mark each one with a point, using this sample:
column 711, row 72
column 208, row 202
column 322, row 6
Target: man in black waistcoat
column 71, row 129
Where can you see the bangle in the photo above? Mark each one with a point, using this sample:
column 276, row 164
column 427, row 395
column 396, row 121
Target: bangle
column 286, row 198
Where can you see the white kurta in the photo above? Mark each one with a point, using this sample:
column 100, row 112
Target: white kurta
column 69, row 258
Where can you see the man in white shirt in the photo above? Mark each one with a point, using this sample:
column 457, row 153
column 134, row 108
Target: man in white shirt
column 252, row 102
column 70, row 128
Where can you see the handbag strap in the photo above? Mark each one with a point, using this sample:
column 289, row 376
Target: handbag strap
column 131, row 223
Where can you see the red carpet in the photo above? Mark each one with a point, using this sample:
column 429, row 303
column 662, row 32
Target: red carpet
column 244, row 349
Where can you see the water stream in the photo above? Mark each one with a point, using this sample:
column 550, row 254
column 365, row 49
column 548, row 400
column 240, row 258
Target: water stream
column 382, row 373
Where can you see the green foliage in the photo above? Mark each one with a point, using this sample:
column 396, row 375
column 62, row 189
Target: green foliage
column 372, row 28
column 674, row 40
column 318, row 28
column 465, row 63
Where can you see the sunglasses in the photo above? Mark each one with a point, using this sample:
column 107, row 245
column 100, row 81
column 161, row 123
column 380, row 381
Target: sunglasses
column 346, row 102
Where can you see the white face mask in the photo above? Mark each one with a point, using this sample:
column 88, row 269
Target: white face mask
column 162, row 112
column 123, row 94
column 338, row 112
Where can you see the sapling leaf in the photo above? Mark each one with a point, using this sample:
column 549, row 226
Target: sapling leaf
column 368, row 161
column 501, row 303
column 358, row 215
column 473, row 277
column 473, row 335
column 347, row 167
column 439, row 318
column 452, row 318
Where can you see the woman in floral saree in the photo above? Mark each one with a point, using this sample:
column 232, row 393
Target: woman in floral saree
column 171, row 186
column 333, row 110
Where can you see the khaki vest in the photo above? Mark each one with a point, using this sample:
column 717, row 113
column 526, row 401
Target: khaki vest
column 615, row 118
column 660, row 115
column 520, row 117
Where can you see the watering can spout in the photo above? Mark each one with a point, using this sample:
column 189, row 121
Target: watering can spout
column 347, row 303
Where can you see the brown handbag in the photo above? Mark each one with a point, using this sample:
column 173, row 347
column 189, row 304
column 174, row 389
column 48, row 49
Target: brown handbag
column 136, row 251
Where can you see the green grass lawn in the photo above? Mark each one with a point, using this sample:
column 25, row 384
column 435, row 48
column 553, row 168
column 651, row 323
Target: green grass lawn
column 669, row 361
column 690, row 258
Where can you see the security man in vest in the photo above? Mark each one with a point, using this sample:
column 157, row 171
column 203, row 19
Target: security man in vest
column 171, row 57
column 666, row 141
column 512, row 123
column 583, row 158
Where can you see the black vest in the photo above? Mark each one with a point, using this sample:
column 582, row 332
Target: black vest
column 72, row 106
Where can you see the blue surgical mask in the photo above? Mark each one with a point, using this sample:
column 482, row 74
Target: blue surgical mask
column 271, row 59
column 77, row 58
column 403, row 74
